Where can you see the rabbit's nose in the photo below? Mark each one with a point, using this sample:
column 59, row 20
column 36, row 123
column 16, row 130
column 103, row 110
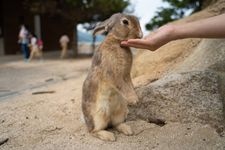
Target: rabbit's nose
column 140, row 35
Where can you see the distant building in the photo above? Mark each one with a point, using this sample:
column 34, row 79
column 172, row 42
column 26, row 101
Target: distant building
column 49, row 28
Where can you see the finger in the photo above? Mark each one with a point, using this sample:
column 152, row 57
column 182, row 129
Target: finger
column 123, row 42
column 139, row 42
column 134, row 45
column 142, row 43
column 141, row 46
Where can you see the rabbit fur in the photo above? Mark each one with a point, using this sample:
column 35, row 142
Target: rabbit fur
column 108, row 88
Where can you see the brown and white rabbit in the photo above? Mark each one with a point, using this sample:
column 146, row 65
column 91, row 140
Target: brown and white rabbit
column 108, row 87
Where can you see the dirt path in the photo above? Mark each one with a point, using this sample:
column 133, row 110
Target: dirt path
column 53, row 121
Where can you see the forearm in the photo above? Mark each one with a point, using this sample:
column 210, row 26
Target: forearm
column 213, row 27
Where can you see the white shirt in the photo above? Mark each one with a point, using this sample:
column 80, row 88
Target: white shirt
column 23, row 35
column 64, row 39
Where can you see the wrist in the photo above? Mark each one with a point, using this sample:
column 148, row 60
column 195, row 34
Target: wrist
column 183, row 31
column 177, row 32
column 173, row 32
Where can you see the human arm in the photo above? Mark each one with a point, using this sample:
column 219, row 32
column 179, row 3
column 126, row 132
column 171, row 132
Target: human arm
column 213, row 27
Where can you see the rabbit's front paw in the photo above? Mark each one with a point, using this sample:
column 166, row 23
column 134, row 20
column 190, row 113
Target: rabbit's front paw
column 132, row 100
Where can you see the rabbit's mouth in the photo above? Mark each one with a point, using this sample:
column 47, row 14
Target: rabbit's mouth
column 135, row 35
column 140, row 35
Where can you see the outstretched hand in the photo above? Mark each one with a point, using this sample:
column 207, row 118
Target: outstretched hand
column 153, row 41
column 212, row 27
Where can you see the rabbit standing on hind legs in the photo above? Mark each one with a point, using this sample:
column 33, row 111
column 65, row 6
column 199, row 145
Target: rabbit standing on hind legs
column 108, row 87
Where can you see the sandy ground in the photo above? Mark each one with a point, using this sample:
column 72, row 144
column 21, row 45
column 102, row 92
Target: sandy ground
column 53, row 121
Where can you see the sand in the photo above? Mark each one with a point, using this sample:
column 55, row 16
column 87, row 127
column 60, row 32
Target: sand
column 53, row 121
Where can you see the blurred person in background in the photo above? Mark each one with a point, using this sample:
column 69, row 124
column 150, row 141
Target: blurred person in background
column 34, row 47
column 64, row 40
column 24, row 41
column 40, row 47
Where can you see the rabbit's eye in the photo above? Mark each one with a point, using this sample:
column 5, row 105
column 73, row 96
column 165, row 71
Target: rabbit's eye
column 125, row 22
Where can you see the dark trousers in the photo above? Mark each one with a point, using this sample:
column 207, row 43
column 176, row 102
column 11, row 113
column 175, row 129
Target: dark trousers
column 25, row 51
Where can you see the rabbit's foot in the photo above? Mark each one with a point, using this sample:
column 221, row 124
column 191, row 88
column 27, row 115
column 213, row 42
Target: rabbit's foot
column 105, row 135
column 125, row 129
column 132, row 100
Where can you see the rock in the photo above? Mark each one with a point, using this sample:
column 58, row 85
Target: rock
column 209, row 54
column 192, row 91
column 183, row 81
column 182, row 97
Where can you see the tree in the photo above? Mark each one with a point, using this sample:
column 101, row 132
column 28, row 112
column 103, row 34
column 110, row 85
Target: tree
column 77, row 11
column 174, row 11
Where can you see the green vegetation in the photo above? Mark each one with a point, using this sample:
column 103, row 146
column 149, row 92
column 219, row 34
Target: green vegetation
column 175, row 10
column 77, row 10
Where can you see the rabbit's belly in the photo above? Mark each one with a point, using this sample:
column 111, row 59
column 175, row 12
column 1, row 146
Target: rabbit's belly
column 110, row 102
column 116, row 102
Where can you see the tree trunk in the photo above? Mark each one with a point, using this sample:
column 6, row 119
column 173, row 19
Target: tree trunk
column 75, row 41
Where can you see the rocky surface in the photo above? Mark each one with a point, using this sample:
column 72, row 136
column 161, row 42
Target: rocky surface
column 182, row 97
column 183, row 81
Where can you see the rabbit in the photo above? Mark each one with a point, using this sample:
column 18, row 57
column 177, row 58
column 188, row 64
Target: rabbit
column 108, row 89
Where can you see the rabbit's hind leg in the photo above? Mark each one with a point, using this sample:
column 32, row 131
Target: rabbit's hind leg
column 124, row 128
column 101, row 123
column 101, row 116
column 119, row 115
column 104, row 135
column 118, row 122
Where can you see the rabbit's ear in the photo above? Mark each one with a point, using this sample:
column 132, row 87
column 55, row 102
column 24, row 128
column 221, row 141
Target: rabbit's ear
column 106, row 25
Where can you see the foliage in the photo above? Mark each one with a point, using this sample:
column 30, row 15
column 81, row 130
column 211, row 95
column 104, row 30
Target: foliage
column 77, row 10
column 176, row 9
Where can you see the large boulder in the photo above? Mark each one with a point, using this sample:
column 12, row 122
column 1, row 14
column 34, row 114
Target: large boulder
column 182, row 97
column 184, row 81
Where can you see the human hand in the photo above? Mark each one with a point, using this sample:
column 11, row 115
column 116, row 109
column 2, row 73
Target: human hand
column 153, row 41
